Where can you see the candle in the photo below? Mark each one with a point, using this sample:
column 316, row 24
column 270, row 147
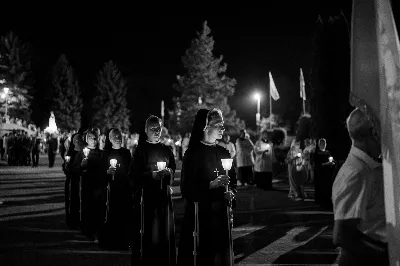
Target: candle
column 67, row 158
column 161, row 165
column 227, row 164
column 113, row 163
column 86, row 151
column 330, row 159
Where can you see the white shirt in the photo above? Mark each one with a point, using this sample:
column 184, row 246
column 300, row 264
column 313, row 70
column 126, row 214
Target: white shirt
column 229, row 146
column 358, row 193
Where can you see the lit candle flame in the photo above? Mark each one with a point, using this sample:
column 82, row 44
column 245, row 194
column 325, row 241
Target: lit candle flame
column 161, row 165
column 113, row 163
column 86, row 151
column 227, row 163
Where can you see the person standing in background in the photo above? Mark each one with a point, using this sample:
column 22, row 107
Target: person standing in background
column 244, row 158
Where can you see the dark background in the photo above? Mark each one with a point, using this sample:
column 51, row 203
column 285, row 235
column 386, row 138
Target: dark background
column 147, row 48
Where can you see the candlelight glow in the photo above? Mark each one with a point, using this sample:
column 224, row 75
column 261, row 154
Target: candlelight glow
column 113, row 163
column 227, row 163
column 67, row 158
column 86, row 151
column 161, row 165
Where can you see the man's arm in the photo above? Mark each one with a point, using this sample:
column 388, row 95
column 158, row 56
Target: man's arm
column 347, row 235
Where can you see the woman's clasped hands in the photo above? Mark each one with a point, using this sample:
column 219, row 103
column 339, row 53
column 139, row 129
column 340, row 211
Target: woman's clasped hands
column 158, row 175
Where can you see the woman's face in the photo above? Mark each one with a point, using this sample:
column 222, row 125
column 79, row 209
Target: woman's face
column 216, row 131
column 322, row 145
column 78, row 142
column 115, row 139
column 153, row 131
column 91, row 141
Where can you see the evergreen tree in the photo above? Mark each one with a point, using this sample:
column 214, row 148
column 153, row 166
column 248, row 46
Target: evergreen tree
column 109, row 104
column 66, row 101
column 204, row 84
column 15, row 70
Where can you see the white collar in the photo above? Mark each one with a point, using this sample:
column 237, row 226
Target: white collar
column 152, row 142
column 208, row 144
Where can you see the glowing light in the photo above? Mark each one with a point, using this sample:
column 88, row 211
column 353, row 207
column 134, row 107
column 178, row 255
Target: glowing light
column 257, row 96
column 227, row 163
column 113, row 163
column 161, row 165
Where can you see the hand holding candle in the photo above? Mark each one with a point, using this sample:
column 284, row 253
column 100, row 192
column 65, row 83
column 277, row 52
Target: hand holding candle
column 227, row 165
column 161, row 166
column 113, row 167
column 86, row 151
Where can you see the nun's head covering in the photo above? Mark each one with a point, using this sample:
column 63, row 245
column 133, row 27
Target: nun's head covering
column 204, row 118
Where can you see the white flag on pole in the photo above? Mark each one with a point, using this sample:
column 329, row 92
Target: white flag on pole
column 272, row 88
column 302, row 86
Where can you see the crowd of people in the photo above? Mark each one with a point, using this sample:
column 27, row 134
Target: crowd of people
column 118, row 186
column 122, row 199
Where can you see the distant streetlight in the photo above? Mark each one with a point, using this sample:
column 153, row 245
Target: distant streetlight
column 257, row 96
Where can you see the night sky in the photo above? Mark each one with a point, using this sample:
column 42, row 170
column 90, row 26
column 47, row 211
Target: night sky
column 148, row 51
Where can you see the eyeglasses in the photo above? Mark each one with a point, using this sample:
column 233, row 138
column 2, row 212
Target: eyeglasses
column 219, row 127
column 155, row 129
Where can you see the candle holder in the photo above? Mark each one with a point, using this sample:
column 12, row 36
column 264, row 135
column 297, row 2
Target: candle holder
column 113, row 164
column 227, row 165
column 86, row 151
column 161, row 166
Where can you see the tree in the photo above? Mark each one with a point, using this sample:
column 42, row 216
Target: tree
column 15, row 70
column 66, row 101
column 204, row 84
column 109, row 103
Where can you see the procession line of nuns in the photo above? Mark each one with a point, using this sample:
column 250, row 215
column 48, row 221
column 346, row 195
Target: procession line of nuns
column 130, row 206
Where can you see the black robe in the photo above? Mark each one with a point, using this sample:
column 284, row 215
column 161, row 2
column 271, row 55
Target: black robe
column 159, row 230
column 201, row 165
column 323, row 179
column 117, row 231
column 93, row 191
column 71, row 192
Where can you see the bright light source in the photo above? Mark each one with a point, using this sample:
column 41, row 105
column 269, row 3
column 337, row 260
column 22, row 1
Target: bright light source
column 6, row 90
column 257, row 96
column 3, row 95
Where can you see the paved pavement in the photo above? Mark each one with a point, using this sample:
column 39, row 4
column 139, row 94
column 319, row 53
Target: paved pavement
column 270, row 229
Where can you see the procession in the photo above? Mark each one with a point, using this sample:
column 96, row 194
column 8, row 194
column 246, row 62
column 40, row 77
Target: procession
column 157, row 161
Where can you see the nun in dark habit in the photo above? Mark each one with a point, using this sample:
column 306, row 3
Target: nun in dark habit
column 72, row 182
column 203, row 180
column 117, row 231
column 148, row 179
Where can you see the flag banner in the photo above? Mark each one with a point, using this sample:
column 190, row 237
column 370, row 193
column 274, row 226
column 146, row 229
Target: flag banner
column 272, row 88
column 375, row 87
column 302, row 86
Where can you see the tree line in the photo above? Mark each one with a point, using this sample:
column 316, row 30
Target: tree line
column 204, row 85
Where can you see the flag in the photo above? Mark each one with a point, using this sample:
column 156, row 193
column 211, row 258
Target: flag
column 273, row 92
column 302, row 86
column 375, row 87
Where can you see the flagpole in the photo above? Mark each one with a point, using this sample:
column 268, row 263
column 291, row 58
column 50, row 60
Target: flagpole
column 304, row 107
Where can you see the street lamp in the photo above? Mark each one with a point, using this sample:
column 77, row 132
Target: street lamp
column 257, row 96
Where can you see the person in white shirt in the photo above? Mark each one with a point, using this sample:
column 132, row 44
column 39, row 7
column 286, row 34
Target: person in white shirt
column 358, row 199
